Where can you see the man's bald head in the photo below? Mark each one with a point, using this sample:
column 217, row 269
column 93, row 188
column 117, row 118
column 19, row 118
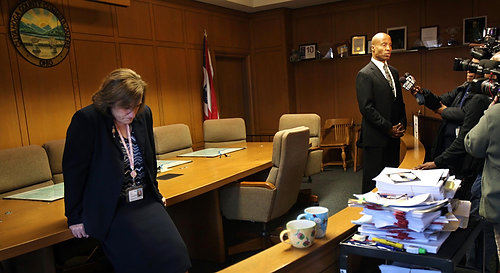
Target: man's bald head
column 381, row 47
column 377, row 38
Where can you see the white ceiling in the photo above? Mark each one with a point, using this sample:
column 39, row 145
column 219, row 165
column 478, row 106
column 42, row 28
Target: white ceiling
column 259, row 5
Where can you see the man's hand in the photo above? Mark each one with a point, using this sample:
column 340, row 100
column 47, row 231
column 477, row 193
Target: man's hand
column 164, row 201
column 440, row 109
column 397, row 131
column 78, row 231
column 426, row 166
column 416, row 89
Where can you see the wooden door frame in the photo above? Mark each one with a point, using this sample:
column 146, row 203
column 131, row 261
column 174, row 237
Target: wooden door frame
column 246, row 57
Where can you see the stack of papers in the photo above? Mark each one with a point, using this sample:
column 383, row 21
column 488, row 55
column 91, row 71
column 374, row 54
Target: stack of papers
column 411, row 207
column 413, row 182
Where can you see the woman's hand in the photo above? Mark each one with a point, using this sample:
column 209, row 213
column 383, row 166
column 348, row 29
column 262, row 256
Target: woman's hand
column 78, row 231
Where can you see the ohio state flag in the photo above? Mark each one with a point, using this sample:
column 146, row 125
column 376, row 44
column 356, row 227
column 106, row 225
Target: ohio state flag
column 210, row 110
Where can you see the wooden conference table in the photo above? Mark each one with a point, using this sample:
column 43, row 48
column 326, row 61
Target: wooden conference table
column 192, row 200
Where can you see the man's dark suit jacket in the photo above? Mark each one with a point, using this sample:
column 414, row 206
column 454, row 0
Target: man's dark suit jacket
column 466, row 116
column 93, row 167
column 378, row 106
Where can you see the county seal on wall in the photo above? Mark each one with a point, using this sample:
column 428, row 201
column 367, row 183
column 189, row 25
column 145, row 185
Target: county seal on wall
column 40, row 32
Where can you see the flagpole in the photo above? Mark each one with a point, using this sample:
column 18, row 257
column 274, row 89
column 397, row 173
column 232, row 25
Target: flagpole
column 210, row 109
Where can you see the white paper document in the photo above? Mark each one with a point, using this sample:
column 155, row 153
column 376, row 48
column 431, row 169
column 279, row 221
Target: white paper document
column 386, row 268
column 48, row 194
column 165, row 165
column 412, row 182
column 211, row 152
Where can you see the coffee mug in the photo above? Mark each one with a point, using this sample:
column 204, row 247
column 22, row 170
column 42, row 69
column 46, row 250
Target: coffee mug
column 300, row 233
column 320, row 216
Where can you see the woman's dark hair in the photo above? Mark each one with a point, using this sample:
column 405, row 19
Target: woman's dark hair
column 123, row 88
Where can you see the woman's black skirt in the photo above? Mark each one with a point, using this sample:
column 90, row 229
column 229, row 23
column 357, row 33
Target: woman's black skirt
column 143, row 238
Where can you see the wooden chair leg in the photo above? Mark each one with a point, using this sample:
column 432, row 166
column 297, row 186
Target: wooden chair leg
column 343, row 159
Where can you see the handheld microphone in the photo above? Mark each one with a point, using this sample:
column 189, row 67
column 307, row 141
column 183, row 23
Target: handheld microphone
column 408, row 82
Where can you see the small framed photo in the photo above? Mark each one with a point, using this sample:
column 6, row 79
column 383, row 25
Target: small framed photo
column 342, row 50
column 429, row 36
column 369, row 46
column 308, row 51
column 358, row 45
column 473, row 29
column 398, row 37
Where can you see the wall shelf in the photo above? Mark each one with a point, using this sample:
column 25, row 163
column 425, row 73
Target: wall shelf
column 423, row 49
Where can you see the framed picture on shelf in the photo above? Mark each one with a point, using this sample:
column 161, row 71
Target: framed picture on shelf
column 369, row 46
column 473, row 29
column 398, row 37
column 429, row 36
column 342, row 50
column 358, row 45
column 308, row 51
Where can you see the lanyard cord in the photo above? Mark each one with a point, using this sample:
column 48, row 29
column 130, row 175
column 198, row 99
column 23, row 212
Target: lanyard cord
column 130, row 153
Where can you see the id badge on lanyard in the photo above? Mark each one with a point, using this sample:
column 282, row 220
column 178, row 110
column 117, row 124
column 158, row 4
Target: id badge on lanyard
column 135, row 193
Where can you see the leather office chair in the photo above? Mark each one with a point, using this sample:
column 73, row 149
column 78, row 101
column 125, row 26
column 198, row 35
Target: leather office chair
column 224, row 132
column 313, row 122
column 172, row 140
column 23, row 169
column 337, row 135
column 55, row 150
column 264, row 201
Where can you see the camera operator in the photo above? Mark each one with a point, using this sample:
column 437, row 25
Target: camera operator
column 483, row 141
column 460, row 110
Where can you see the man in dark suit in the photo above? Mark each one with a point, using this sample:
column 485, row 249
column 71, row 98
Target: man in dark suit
column 381, row 104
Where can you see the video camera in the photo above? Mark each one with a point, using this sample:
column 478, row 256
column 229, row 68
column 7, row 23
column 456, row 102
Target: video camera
column 490, row 45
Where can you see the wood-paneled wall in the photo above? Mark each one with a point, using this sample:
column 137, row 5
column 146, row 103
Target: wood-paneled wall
column 272, row 94
column 161, row 40
column 327, row 87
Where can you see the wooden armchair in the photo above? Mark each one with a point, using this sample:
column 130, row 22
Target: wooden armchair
column 337, row 135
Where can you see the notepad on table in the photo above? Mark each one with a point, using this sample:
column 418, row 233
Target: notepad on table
column 211, row 152
column 165, row 165
column 48, row 194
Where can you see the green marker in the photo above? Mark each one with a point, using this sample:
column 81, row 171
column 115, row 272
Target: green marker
column 415, row 250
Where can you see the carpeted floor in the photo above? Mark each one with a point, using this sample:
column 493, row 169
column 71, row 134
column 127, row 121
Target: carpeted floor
column 334, row 186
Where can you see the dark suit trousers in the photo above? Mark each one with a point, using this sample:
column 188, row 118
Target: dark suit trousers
column 375, row 159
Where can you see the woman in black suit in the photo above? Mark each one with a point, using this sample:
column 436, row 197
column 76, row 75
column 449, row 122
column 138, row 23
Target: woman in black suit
column 111, row 192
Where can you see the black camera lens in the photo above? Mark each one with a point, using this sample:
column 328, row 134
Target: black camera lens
column 467, row 65
column 480, row 53
column 460, row 64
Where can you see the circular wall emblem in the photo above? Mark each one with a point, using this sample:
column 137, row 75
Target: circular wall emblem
column 40, row 32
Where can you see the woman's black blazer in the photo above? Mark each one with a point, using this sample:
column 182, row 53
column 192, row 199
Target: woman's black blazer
column 93, row 167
